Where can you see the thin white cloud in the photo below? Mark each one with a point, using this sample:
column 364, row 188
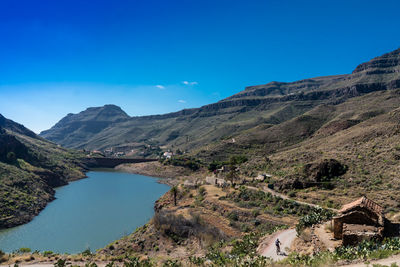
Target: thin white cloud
column 159, row 86
column 181, row 101
column 190, row 83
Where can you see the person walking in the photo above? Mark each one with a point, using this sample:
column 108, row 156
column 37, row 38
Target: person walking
column 278, row 246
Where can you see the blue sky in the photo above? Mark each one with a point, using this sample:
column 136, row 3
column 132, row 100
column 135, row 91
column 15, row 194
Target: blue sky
column 152, row 57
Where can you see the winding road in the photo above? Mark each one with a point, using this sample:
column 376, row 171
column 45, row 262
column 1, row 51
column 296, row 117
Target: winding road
column 268, row 249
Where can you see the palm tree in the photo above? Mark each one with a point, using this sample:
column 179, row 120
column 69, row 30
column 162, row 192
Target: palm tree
column 174, row 191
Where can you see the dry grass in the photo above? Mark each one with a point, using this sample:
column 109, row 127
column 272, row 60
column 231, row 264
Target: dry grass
column 370, row 150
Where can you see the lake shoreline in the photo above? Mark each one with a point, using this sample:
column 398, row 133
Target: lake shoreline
column 163, row 178
column 101, row 194
column 167, row 174
column 28, row 217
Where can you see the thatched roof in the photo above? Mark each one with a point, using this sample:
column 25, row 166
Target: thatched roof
column 363, row 202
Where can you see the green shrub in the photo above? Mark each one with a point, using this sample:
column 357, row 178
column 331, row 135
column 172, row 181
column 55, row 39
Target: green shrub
column 255, row 212
column 60, row 263
column 202, row 191
column 248, row 198
column 186, row 162
column 11, row 157
column 216, row 165
column 317, row 215
column 366, row 250
column 245, row 228
column 245, row 246
column 233, row 216
column 24, row 250
column 172, row 263
column 86, row 252
column 136, row 262
column 48, row 253
column 196, row 260
column 239, row 159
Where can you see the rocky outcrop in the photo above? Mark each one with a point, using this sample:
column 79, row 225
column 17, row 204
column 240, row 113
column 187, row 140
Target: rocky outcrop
column 313, row 174
column 387, row 63
column 324, row 171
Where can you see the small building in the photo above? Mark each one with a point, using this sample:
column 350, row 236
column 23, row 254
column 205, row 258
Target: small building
column 260, row 178
column 359, row 220
column 168, row 155
column 216, row 181
column 211, row 180
column 222, row 183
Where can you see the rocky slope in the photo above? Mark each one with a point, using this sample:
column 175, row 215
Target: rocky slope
column 268, row 105
column 30, row 167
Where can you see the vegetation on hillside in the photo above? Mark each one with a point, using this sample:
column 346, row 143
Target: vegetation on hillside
column 324, row 140
column 29, row 169
column 365, row 251
column 183, row 161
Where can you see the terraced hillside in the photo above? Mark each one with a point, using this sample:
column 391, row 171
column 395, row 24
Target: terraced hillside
column 30, row 167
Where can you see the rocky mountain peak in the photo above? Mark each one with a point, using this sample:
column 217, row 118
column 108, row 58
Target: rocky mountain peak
column 387, row 63
column 85, row 123
column 107, row 112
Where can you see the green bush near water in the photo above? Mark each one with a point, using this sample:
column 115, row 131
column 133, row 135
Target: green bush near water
column 48, row 253
column 24, row 250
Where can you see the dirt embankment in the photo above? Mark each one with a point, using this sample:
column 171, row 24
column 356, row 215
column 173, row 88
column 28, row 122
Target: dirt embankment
column 170, row 175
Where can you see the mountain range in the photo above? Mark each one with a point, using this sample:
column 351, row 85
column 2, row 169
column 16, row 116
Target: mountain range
column 262, row 110
column 300, row 132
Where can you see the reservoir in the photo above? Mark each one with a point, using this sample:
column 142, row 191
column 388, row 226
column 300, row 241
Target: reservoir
column 89, row 213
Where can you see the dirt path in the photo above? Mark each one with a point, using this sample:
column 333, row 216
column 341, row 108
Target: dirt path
column 326, row 237
column 268, row 249
column 274, row 193
column 269, row 190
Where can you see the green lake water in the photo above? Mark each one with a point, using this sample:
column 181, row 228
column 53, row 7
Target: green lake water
column 89, row 213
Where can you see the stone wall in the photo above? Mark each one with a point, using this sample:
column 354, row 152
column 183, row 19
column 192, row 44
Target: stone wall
column 355, row 217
